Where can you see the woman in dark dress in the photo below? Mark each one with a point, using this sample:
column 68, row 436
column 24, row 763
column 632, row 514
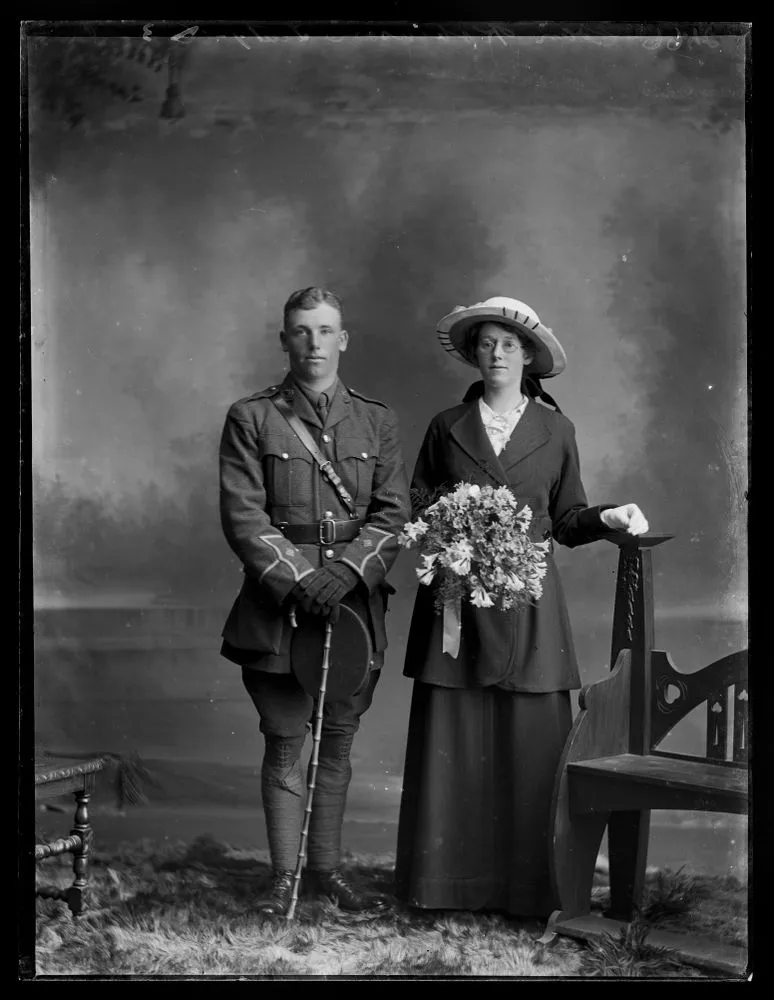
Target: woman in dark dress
column 488, row 726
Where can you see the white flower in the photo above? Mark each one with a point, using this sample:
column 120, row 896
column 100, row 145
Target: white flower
column 466, row 491
column 458, row 556
column 415, row 529
column 515, row 582
column 426, row 573
column 480, row 598
column 503, row 495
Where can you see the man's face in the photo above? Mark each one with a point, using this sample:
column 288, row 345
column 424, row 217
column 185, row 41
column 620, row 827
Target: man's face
column 314, row 339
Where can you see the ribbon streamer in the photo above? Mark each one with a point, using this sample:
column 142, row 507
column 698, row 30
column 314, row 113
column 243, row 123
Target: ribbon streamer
column 452, row 626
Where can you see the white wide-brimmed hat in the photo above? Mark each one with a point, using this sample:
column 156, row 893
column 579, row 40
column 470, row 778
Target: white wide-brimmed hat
column 453, row 329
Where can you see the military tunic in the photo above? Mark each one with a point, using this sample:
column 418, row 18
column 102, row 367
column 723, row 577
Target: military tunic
column 268, row 481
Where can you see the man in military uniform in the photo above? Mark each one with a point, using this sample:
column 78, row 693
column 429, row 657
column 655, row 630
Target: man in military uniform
column 302, row 547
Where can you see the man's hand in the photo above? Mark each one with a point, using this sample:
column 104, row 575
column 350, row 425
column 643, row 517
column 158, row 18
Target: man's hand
column 307, row 589
column 628, row 518
column 340, row 580
column 322, row 591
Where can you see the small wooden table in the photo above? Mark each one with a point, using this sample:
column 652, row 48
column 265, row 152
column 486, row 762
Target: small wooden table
column 54, row 777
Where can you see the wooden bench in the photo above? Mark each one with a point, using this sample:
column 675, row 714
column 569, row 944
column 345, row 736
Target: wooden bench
column 612, row 772
column 52, row 779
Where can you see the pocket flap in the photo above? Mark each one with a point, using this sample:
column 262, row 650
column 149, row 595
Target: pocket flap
column 284, row 448
column 358, row 448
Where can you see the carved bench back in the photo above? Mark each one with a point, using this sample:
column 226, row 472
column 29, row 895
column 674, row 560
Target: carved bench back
column 722, row 686
column 659, row 695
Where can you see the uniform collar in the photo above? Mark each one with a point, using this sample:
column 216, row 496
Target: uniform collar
column 338, row 401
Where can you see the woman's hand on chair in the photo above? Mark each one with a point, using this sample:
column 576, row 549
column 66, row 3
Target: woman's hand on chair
column 628, row 518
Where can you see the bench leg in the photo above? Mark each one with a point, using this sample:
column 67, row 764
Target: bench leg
column 83, row 830
column 628, row 849
column 575, row 849
column 550, row 934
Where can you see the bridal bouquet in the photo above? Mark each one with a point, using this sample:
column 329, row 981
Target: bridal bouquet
column 474, row 542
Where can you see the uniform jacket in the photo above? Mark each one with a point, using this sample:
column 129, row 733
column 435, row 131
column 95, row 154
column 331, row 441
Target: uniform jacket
column 529, row 650
column 267, row 476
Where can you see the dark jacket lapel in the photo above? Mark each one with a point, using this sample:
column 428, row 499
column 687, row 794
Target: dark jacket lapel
column 470, row 435
column 528, row 435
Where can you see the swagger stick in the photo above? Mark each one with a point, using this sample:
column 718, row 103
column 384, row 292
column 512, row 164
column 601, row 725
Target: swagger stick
column 318, row 721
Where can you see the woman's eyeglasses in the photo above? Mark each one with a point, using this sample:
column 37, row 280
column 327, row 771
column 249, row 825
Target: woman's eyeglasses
column 508, row 346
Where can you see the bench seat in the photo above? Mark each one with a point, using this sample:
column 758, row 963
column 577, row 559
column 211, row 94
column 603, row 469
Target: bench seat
column 655, row 781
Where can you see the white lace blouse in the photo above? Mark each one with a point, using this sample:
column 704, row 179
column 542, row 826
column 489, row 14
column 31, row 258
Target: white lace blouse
column 499, row 426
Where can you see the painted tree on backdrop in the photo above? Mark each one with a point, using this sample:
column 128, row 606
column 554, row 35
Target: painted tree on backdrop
column 69, row 78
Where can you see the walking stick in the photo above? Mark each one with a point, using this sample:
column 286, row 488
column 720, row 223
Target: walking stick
column 318, row 721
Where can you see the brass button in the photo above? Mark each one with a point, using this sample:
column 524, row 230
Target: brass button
column 326, row 439
column 329, row 553
column 285, row 454
column 364, row 454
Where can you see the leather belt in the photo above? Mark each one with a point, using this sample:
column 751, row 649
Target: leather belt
column 324, row 532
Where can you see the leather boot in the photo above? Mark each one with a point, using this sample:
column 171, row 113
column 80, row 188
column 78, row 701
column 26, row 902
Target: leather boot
column 334, row 886
column 277, row 902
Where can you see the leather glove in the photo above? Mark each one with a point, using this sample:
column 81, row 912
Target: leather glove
column 341, row 579
column 320, row 592
column 306, row 590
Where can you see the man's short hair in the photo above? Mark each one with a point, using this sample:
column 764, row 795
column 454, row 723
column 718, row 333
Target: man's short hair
column 308, row 298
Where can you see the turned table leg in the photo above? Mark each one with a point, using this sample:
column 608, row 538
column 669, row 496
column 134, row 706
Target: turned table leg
column 83, row 831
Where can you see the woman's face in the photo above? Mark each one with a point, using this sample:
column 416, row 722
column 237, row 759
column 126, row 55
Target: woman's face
column 501, row 356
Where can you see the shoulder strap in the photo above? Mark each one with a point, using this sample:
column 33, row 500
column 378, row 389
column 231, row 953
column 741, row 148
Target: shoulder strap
column 308, row 442
column 366, row 399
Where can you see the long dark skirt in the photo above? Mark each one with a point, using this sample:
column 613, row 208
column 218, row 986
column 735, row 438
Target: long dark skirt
column 474, row 817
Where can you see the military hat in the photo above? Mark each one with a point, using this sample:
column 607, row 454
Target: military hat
column 351, row 651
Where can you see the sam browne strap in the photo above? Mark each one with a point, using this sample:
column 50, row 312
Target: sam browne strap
column 308, row 442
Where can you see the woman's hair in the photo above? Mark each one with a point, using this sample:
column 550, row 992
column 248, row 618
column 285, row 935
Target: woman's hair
column 471, row 341
column 308, row 298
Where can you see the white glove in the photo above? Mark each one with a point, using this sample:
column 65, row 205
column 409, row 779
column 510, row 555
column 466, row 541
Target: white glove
column 628, row 518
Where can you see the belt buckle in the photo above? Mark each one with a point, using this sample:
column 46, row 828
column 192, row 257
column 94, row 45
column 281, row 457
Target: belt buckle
column 324, row 524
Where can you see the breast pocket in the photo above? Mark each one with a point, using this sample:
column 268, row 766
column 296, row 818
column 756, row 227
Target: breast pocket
column 287, row 470
column 355, row 463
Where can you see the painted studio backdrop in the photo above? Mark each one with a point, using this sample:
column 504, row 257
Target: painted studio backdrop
column 600, row 180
